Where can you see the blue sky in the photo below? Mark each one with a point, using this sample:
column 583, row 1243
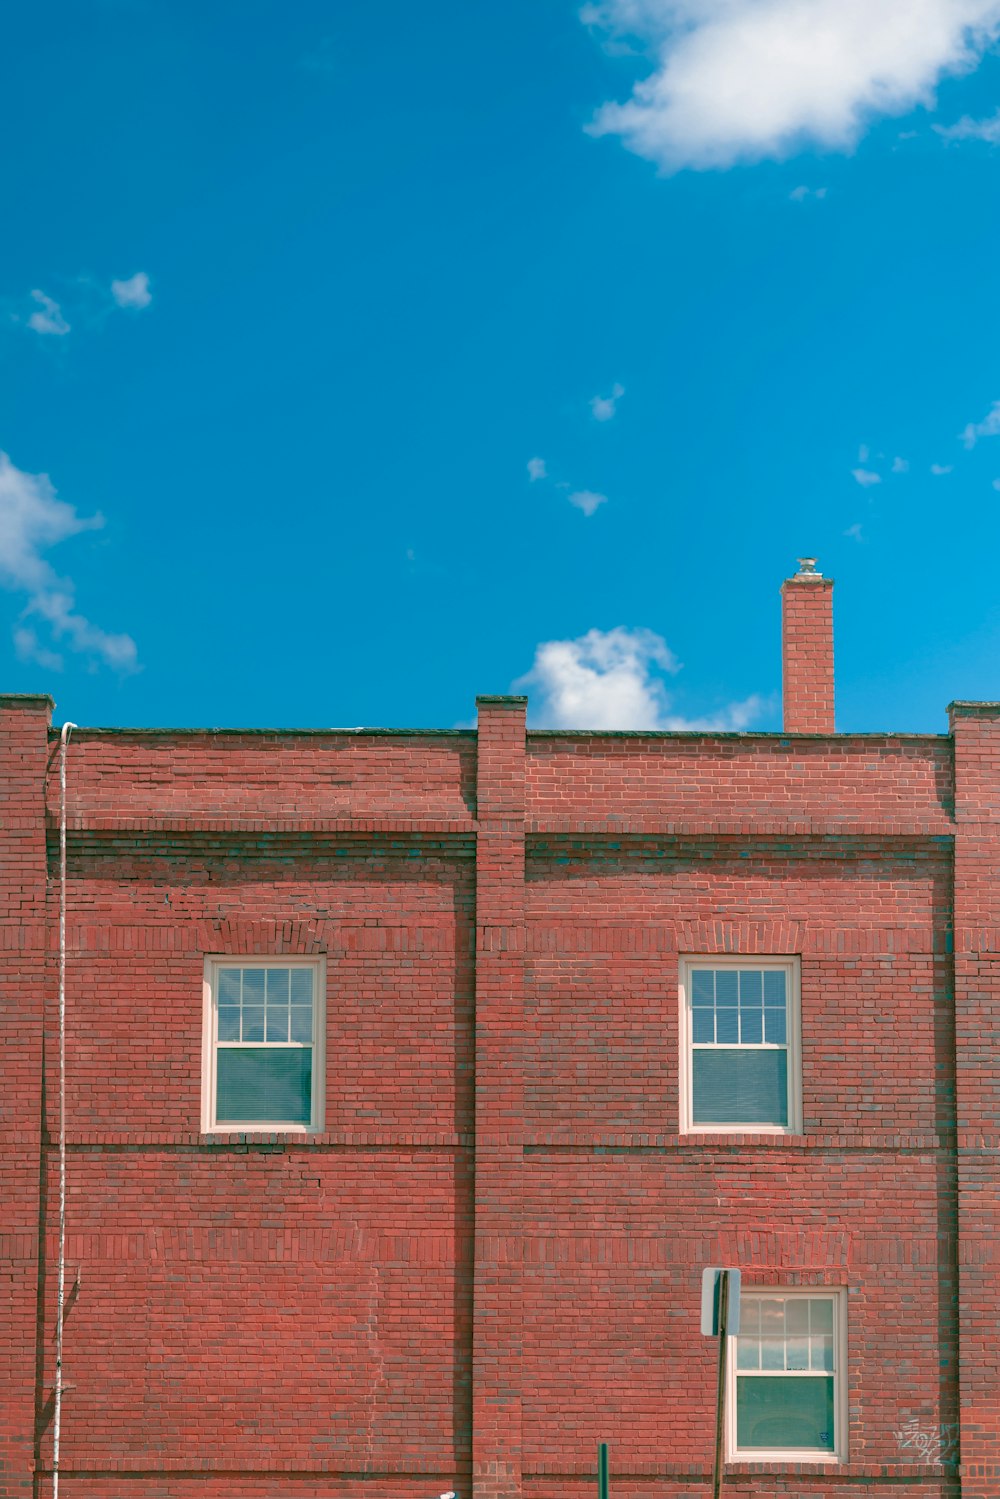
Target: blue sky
column 295, row 300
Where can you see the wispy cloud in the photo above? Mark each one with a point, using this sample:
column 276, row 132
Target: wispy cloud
column 900, row 466
column 938, row 469
column 47, row 317
column 866, row 477
column 134, row 292
column 33, row 519
column 988, row 427
column 800, row 194
column 614, row 679
column 537, row 470
column 587, row 501
column 968, row 129
column 605, row 407
column 854, row 532
column 996, row 483
column 744, row 80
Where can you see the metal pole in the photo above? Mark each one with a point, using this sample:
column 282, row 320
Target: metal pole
column 720, row 1406
column 602, row 1470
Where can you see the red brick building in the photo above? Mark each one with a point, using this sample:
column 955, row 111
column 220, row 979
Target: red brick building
column 411, row 1078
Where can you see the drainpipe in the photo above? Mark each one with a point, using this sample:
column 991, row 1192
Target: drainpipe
column 67, row 729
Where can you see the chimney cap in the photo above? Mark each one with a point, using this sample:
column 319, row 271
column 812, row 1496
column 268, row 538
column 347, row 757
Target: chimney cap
column 808, row 571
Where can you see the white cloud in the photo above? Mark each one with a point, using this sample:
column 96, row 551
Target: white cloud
column 900, row 466
column 587, row 501
column 799, row 194
column 937, row 469
column 32, row 519
column 854, row 532
column 134, row 292
column 968, row 129
column 604, row 407
column 863, row 453
column 865, row 477
column 996, row 483
column 48, row 318
column 613, row 679
column 29, row 648
column 743, row 80
column 537, row 469
column 988, row 427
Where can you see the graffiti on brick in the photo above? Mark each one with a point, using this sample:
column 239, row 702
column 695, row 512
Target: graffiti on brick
column 934, row 1444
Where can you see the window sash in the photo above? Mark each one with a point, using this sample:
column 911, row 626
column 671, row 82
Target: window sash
column 266, row 1011
column 735, row 1007
column 760, row 1408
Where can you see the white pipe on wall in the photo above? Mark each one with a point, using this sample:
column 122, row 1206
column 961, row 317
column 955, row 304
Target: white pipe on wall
column 67, row 729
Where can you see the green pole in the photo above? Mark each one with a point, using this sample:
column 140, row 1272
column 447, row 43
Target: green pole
column 602, row 1470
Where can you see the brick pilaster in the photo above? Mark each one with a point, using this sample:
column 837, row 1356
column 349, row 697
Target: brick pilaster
column 976, row 729
column 24, row 723
column 807, row 652
column 496, row 1411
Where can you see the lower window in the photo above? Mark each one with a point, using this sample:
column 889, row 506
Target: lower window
column 263, row 1044
column 786, row 1377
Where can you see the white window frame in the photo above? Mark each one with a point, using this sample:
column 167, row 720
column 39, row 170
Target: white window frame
column 791, row 967
column 838, row 1295
column 209, row 1045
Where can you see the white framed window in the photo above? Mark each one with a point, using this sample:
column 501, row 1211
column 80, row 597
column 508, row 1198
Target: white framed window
column 740, row 1050
column 787, row 1383
column 263, row 1044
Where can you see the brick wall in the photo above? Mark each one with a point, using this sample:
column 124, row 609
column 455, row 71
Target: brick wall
column 490, row 1258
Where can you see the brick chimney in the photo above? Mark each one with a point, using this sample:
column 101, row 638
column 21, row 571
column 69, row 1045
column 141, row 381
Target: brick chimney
column 807, row 650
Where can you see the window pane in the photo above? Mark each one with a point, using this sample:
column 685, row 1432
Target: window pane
column 740, row 1087
column 229, row 986
column 772, row 1353
column 747, row 1353
column 229, row 1022
column 797, row 1353
column 277, row 986
column 797, row 1314
column 821, row 1314
column 749, row 1317
column 703, row 1022
column 272, row 1086
column 774, row 1027
column 253, row 1024
column 822, row 1351
column 772, row 1316
column 277, row 1024
column 727, row 987
column 751, row 987
column 784, row 1412
column 253, row 986
column 302, row 986
column 302, row 1024
column 727, row 1027
column 774, row 988
column 702, row 987
column 751, row 1027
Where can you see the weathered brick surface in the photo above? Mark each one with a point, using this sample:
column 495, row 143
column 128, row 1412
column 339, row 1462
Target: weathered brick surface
column 489, row 1259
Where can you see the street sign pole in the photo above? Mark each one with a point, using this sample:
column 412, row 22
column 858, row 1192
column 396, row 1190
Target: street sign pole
column 720, row 1404
column 602, row 1470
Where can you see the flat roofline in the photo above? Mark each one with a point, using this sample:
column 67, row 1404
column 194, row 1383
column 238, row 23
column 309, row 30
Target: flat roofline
column 737, row 735
column 100, row 732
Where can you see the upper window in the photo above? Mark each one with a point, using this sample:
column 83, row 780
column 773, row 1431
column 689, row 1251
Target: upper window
column 263, row 1044
column 787, row 1393
column 740, row 1028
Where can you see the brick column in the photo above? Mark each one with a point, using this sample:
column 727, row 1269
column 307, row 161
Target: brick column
column 24, row 724
column 976, row 727
column 807, row 651
column 496, row 1338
